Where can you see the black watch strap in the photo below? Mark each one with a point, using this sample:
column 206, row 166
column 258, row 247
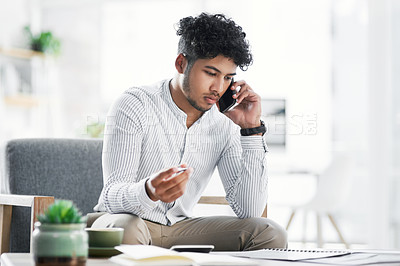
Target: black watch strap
column 255, row 130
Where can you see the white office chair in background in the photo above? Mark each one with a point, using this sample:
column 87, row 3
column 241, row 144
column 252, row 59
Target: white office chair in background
column 333, row 188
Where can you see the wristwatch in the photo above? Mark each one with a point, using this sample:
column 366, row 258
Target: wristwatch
column 255, row 130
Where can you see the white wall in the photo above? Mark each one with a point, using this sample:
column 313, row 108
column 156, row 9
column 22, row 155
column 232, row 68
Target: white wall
column 395, row 195
column 139, row 42
column 14, row 15
column 384, row 60
column 350, row 109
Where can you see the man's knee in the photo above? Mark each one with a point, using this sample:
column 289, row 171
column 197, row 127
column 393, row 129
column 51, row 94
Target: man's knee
column 280, row 239
column 135, row 229
column 267, row 234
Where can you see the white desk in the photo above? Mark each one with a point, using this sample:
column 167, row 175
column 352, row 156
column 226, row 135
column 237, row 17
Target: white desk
column 26, row 259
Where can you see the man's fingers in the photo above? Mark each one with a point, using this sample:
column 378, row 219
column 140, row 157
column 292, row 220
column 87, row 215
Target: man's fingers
column 176, row 180
column 176, row 191
column 181, row 168
column 241, row 96
column 163, row 174
column 167, row 187
column 171, row 190
column 238, row 83
column 246, row 93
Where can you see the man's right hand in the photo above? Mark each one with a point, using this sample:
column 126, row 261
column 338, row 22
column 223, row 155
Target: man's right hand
column 162, row 187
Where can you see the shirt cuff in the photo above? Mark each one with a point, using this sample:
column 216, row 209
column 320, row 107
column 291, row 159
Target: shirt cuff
column 254, row 143
column 145, row 201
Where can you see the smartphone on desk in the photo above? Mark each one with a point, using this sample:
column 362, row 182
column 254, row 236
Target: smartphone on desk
column 193, row 248
column 226, row 101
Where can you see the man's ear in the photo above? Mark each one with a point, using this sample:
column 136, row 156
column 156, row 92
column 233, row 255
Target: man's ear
column 181, row 63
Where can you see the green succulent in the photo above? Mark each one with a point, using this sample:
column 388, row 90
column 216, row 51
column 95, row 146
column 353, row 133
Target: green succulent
column 61, row 212
column 44, row 42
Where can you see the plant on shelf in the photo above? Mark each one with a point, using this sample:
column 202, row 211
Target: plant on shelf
column 59, row 237
column 43, row 42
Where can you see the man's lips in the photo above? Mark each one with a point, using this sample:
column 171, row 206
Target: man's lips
column 211, row 99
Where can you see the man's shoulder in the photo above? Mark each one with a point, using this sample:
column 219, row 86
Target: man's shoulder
column 147, row 91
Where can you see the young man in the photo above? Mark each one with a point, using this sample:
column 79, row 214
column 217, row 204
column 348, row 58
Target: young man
column 154, row 129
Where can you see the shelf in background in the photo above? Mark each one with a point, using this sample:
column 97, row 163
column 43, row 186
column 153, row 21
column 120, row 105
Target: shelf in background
column 27, row 101
column 20, row 53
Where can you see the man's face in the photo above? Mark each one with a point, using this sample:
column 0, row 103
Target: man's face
column 207, row 80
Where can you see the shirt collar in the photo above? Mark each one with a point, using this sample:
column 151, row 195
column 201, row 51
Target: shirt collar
column 166, row 95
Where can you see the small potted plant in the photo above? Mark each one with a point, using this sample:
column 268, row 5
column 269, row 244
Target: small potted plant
column 59, row 237
column 44, row 42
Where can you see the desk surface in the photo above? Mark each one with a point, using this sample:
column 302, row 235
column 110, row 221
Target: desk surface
column 26, row 259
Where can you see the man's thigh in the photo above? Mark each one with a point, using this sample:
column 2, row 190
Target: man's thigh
column 135, row 229
column 225, row 233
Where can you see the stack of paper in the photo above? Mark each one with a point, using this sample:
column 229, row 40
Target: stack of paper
column 288, row 254
column 322, row 256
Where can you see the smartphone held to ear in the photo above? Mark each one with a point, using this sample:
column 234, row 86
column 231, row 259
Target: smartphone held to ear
column 226, row 101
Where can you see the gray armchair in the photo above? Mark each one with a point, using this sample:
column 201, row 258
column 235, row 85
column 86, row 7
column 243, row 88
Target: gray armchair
column 54, row 168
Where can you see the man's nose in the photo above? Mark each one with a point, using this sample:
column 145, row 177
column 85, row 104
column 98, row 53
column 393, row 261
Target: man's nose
column 219, row 86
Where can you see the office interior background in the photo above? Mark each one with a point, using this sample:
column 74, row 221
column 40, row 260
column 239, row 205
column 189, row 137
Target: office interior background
column 325, row 69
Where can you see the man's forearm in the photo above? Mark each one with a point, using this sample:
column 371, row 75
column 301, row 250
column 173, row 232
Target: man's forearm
column 127, row 197
column 244, row 176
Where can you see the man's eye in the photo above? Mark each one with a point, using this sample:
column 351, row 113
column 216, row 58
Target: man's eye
column 229, row 78
column 211, row 74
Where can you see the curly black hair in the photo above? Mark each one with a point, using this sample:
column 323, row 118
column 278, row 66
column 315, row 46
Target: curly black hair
column 208, row 36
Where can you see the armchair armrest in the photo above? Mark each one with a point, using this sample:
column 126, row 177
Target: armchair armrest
column 219, row 200
column 37, row 204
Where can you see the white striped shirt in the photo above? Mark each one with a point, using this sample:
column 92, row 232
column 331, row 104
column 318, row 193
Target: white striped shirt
column 146, row 132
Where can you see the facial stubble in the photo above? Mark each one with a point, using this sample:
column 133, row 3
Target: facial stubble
column 187, row 91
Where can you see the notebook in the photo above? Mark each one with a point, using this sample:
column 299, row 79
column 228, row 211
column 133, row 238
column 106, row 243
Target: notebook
column 288, row 254
column 152, row 255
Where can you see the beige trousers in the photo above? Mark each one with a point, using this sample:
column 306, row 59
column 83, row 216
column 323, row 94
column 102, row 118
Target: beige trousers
column 226, row 233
